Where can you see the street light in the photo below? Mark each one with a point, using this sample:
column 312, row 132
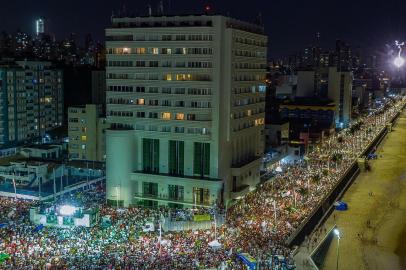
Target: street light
column 337, row 233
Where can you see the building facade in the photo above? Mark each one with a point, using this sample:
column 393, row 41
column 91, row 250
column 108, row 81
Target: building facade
column 86, row 131
column 340, row 91
column 31, row 100
column 186, row 100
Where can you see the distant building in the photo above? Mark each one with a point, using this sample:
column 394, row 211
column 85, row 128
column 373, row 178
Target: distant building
column 340, row 91
column 186, row 99
column 40, row 26
column 308, row 114
column 86, row 131
column 31, row 100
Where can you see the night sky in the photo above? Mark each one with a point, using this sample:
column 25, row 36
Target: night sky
column 290, row 24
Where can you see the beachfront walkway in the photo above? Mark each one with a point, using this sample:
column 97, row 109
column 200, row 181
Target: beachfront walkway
column 373, row 230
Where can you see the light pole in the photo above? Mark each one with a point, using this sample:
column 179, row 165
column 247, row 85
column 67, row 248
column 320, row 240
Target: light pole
column 337, row 233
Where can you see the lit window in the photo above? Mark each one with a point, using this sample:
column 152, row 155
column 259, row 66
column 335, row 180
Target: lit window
column 249, row 113
column 126, row 50
column 84, row 138
column 141, row 101
column 259, row 121
column 83, row 146
column 183, row 77
column 168, row 77
column 155, row 51
column 180, row 116
column 166, row 115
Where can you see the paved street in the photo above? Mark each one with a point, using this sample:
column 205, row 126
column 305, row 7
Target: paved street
column 373, row 230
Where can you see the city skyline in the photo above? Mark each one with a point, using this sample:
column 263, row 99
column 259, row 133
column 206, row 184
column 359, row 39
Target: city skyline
column 289, row 29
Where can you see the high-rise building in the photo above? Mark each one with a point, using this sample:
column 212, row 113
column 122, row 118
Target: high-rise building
column 40, row 26
column 340, row 91
column 86, row 131
column 31, row 100
column 186, row 100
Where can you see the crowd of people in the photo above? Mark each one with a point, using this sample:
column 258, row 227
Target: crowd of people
column 258, row 224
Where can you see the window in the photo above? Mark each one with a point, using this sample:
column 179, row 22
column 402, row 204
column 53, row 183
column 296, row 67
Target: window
column 176, row 157
column 166, row 129
column 166, row 103
column 140, row 101
column 150, row 158
column 153, row 115
column 201, row 162
column 155, row 51
column 153, row 63
column 166, row 115
column 168, row 77
column 150, row 189
column 176, row 192
column 202, row 195
column 180, row 116
column 84, row 138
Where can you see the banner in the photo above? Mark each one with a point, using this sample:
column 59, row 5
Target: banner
column 198, row 218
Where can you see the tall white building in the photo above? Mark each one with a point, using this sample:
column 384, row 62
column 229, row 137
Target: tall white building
column 186, row 100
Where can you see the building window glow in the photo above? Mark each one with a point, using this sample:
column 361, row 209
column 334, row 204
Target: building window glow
column 168, row 77
column 140, row 101
column 84, row 138
column 166, row 115
column 183, row 77
column 126, row 50
column 180, row 116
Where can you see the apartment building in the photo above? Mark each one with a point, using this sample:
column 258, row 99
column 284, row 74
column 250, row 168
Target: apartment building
column 31, row 100
column 186, row 103
column 86, row 131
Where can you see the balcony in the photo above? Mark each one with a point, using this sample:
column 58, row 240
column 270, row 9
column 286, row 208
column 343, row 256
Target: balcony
column 240, row 192
column 239, row 168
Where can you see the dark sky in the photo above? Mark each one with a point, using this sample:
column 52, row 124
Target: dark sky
column 290, row 24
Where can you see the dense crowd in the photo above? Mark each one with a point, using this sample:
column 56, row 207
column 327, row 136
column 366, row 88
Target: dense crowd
column 258, row 224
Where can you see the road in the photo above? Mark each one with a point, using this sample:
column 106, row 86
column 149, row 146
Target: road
column 373, row 230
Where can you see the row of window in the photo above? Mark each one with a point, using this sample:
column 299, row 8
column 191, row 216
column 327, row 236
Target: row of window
column 197, row 131
column 252, row 89
column 156, row 102
column 162, row 115
column 154, row 37
column 165, row 90
column 249, row 124
column 250, row 77
column 251, row 41
column 250, row 66
column 156, row 76
column 246, row 53
column 248, row 101
column 156, row 51
column 247, row 113
column 139, row 63
column 151, row 158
